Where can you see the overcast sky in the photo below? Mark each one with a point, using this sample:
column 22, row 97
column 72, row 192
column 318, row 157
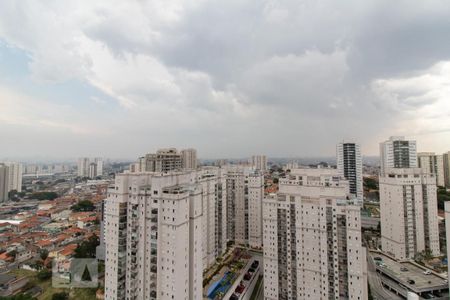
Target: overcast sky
column 230, row 78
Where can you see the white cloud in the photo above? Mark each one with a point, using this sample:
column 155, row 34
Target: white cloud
column 29, row 112
column 424, row 97
column 191, row 71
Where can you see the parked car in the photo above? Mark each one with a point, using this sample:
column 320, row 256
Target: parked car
column 410, row 281
column 377, row 258
column 427, row 272
column 403, row 269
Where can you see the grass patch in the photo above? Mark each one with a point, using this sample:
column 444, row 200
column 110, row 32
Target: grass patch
column 48, row 290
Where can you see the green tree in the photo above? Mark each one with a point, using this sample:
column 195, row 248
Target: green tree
column 84, row 205
column 442, row 196
column 43, row 254
column 12, row 253
column 60, row 296
column 44, row 274
column 44, row 195
column 370, row 183
column 87, row 248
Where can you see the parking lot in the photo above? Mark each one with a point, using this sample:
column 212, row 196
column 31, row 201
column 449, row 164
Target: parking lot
column 409, row 275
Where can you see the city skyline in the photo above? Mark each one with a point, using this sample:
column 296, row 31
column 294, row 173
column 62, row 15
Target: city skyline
column 74, row 82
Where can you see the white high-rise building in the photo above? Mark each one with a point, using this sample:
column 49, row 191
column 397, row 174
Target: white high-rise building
column 4, row 182
column 447, row 227
column 90, row 168
column 349, row 165
column 446, row 163
column 259, row 162
column 15, row 176
column 245, row 192
column 164, row 160
column 83, row 167
column 161, row 231
column 312, row 239
column 99, row 166
column 397, row 152
column 408, row 208
column 431, row 163
column 236, row 227
column 213, row 183
column 255, row 199
column 189, row 159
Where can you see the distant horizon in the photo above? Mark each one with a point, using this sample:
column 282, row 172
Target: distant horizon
column 38, row 160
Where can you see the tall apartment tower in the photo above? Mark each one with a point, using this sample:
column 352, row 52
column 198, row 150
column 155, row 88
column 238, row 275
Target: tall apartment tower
column 447, row 227
column 398, row 152
column 164, row 160
column 83, row 167
column 245, row 192
column 15, row 176
column 349, row 165
column 431, row 163
column 255, row 199
column 446, row 162
column 99, row 166
column 4, row 182
column 161, row 231
column 236, row 205
column 408, row 211
column 92, row 170
column 312, row 239
column 259, row 162
column 189, row 159
column 214, row 223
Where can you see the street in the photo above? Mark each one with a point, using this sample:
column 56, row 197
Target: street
column 377, row 289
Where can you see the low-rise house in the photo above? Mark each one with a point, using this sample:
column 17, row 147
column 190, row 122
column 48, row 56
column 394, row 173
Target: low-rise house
column 45, row 244
column 53, row 228
column 6, row 257
column 86, row 222
column 21, row 252
column 60, row 214
column 5, row 227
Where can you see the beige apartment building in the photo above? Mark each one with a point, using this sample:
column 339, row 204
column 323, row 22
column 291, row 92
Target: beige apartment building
column 312, row 239
column 408, row 206
column 161, row 231
column 431, row 163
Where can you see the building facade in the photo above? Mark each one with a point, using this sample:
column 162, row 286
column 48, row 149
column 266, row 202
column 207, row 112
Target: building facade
column 408, row 213
column 447, row 228
column 446, row 162
column 161, row 231
column 4, row 182
column 15, row 171
column 164, row 160
column 83, row 167
column 312, row 239
column 255, row 198
column 236, row 205
column 99, row 166
column 398, row 152
column 189, row 159
column 431, row 163
column 259, row 162
column 349, row 165
column 90, row 168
